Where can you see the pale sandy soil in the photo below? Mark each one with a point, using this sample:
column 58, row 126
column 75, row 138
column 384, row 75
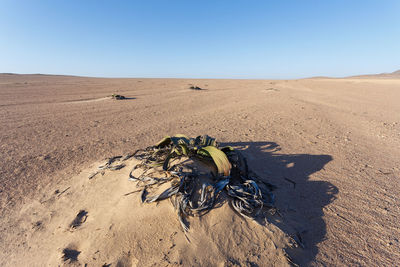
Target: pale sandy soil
column 331, row 146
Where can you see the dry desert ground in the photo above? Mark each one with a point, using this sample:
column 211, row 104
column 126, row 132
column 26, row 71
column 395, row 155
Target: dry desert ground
column 330, row 146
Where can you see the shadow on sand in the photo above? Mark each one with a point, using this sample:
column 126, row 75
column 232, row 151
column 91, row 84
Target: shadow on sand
column 128, row 98
column 299, row 200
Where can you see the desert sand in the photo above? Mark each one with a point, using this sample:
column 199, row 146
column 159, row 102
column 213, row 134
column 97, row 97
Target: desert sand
column 331, row 146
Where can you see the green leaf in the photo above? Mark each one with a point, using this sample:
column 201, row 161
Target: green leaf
column 166, row 162
column 176, row 140
column 185, row 149
column 219, row 158
column 208, row 141
column 227, row 149
column 180, row 139
column 164, row 142
column 205, row 140
column 203, row 153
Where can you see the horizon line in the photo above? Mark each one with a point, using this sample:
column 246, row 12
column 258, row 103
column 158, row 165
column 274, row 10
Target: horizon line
column 203, row 78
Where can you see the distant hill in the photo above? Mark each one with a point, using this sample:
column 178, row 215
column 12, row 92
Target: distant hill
column 392, row 75
column 7, row 74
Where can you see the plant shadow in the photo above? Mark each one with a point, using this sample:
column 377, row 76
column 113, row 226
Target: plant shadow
column 299, row 200
column 126, row 98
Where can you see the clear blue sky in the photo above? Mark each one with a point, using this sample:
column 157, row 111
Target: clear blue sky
column 200, row 39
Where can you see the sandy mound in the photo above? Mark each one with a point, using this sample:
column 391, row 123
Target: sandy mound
column 102, row 221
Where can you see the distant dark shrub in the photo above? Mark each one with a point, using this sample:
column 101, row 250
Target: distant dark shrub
column 118, row 97
column 195, row 88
